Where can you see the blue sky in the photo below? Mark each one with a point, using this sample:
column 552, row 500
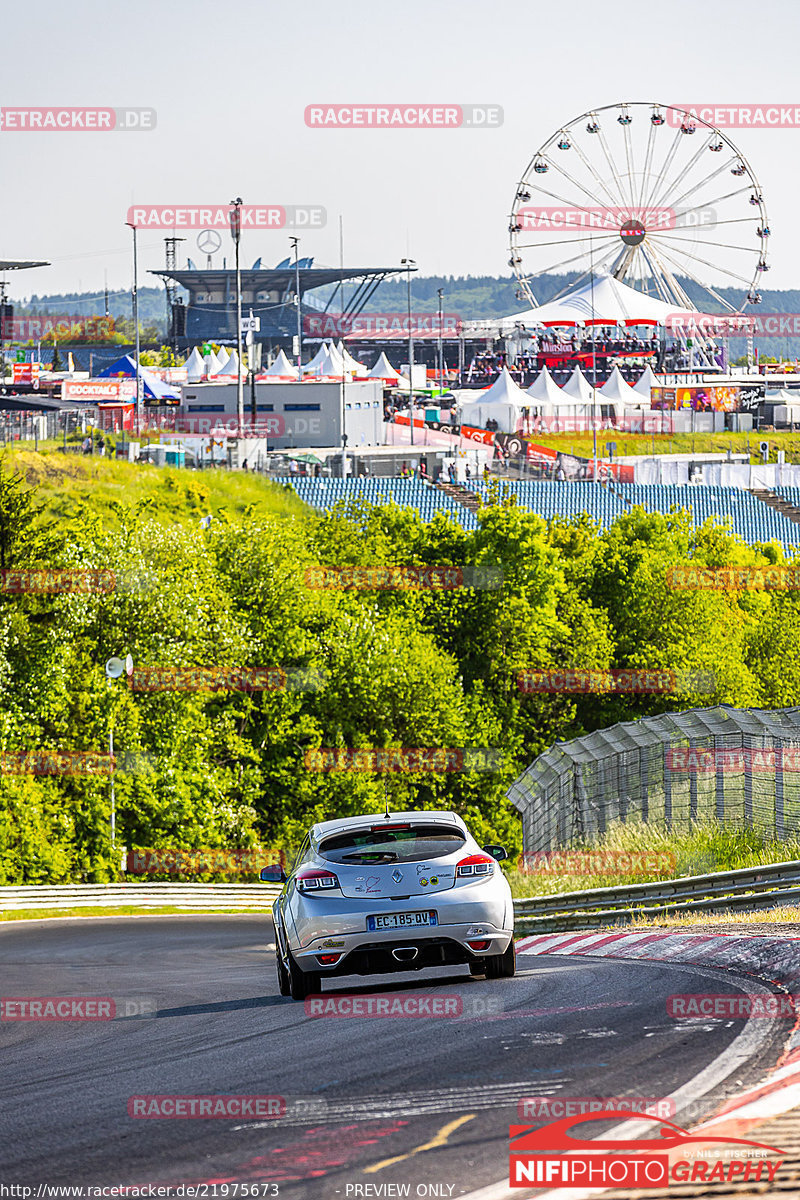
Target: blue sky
column 230, row 85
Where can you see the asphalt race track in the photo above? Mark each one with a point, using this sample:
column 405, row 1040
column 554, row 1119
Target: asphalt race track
column 424, row 1100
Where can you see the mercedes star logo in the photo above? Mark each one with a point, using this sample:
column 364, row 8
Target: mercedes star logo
column 209, row 241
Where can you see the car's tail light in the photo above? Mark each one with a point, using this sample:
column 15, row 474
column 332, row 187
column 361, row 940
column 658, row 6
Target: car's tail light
column 314, row 880
column 328, row 960
column 484, row 945
column 475, row 864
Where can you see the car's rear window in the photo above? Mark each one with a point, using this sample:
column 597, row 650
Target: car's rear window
column 392, row 845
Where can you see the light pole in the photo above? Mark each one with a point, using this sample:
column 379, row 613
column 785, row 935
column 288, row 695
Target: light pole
column 594, row 365
column 440, row 294
column 115, row 667
column 295, row 243
column 236, row 233
column 135, row 297
column 408, row 263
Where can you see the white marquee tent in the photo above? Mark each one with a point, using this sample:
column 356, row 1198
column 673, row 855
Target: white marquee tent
column 195, row 366
column 504, row 402
column 545, row 390
column 617, row 391
column 383, row 369
column 648, row 380
column 578, row 387
column 281, row 368
column 604, row 298
column 325, row 362
column 351, row 364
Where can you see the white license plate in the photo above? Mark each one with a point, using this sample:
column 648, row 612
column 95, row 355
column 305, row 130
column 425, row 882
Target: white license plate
column 400, row 920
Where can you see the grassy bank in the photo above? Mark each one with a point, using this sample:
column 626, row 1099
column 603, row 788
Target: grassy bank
column 679, row 443
column 71, row 486
column 698, row 851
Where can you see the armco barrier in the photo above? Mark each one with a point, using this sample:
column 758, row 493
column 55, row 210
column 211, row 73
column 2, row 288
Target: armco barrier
column 140, row 895
column 747, row 888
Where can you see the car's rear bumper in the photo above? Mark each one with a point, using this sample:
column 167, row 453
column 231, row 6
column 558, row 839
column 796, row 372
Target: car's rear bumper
column 373, row 954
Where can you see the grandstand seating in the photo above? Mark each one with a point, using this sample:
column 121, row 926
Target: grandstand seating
column 414, row 493
column 750, row 518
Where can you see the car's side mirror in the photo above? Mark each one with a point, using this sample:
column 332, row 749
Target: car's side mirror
column 274, row 873
column 498, row 853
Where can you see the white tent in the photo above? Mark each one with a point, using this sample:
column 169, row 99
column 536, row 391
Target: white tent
column 544, row 389
column 578, row 388
column 212, row 362
column 383, row 369
column 231, row 366
column 325, row 362
column 195, row 366
column 603, row 298
column 223, row 361
column 648, row 380
column 351, row 364
column 617, row 391
column 504, row 401
column 281, row 368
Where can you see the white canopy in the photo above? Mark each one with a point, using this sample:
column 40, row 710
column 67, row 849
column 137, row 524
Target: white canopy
column 605, row 299
column 383, row 369
column 222, row 362
column 504, row 401
column 325, row 362
column 195, row 366
column 615, row 389
column 213, row 362
column 649, row 379
column 281, row 368
column 351, row 364
column 544, row 389
column 231, row 366
column 578, row 388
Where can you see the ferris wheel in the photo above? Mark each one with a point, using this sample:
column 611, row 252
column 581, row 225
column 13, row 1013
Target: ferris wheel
column 650, row 194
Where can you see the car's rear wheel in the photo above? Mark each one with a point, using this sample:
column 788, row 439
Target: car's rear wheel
column 302, row 983
column 283, row 974
column 502, row 966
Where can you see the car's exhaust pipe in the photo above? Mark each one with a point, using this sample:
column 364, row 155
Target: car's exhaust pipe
column 405, row 953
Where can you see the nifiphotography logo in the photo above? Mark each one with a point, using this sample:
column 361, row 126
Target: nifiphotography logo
column 551, row 1155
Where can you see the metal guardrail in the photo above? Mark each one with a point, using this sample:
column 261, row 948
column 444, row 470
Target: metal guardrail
column 140, row 895
column 760, row 887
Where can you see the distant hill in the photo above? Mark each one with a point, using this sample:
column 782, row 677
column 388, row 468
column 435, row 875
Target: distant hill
column 472, row 297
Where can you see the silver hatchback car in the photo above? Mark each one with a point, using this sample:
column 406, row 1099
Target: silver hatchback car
column 370, row 895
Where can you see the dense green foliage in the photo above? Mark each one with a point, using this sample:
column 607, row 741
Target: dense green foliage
column 393, row 668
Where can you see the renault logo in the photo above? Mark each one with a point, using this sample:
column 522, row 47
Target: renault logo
column 397, row 876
